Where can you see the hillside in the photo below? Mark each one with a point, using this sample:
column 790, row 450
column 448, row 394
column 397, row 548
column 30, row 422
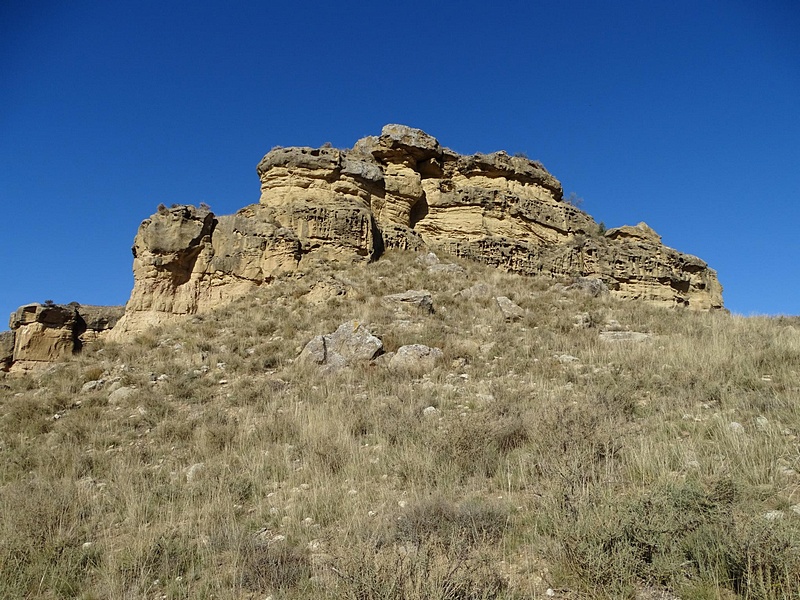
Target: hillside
column 562, row 443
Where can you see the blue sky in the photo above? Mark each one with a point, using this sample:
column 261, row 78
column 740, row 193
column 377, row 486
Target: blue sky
column 683, row 114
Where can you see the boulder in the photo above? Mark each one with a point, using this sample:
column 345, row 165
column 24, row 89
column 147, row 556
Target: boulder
column 44, row 332
column 590, row 286
column 417, row 300
column 351, row 343
column 511, row 311
column 50, row 332
column 416, row 358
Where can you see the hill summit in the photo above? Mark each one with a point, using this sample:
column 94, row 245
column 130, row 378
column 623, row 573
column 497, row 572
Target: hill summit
column 403, row 190
column 399, row 190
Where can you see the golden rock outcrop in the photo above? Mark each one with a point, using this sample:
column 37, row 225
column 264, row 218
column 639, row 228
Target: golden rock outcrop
column 401, row 189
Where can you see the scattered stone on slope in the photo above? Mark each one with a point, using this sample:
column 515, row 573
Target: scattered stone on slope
column 624, row 336
column 416, row 358
column 566, row 359
column 90, row 386
column 120, row 394
column 480, row 291
column 589, row 285
column 324, row 291
column 417, row 300
column 510, row 310
column 351, row 343
column 447, row 269
column 583, row 321
column 429, row 259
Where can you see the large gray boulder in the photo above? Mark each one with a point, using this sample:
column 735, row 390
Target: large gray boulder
column 350, row 344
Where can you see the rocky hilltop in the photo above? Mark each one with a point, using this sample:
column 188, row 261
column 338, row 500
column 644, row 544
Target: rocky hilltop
column 401, row 189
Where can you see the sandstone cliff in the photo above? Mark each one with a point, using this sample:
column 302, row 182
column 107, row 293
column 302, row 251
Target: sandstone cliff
column 42, row 333
column 400, row 189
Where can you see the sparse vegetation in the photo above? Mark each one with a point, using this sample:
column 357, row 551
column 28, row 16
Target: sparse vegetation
column 231, row 471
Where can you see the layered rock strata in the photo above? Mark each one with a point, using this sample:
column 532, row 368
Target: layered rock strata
column 401, row 189
column 42, row 333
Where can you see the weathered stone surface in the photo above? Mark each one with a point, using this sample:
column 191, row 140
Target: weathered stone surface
column 511, row 311
column 623, row 336
column 398, row 190
column 120, row 394
column 54, row 332
column 589, row 285
column 99, row 318
column 351, row 343
column 223, row 258
column 6, row 349
column 415, row 358
column 44, row 332
column 478, row 291
column 419, row 300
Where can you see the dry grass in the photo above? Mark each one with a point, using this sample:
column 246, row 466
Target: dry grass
column 232, row 472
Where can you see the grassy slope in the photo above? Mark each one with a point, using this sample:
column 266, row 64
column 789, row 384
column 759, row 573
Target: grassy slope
column 614, row 475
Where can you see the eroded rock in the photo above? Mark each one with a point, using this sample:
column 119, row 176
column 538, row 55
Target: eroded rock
column 43, row 333
column 351, row 343
column 6, row 350
column 511, row 311
column 400, row 189
column 416, row 358
column 416, row 300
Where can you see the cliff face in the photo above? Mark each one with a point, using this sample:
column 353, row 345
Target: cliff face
column 400, row 189
column 44, row 333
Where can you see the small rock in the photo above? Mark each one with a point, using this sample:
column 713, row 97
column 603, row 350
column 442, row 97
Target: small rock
column 120, row 394
column 193, row 471
column 589, row 285
column 477, row 291
column 762, row 423
column 89, row 386
column 566, row 358
column 429, row 259
column 510, row 310
column 416, row 358
column 735, row 427
column 623, row 336
column 773, row 515
column 430, row 411
column 583, row 321
column 447, row 269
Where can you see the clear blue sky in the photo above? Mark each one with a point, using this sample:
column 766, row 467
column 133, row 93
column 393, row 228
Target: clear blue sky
column 683, row 114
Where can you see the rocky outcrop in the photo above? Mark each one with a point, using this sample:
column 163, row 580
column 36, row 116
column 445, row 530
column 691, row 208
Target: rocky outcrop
column 401, row 189
column 6, row 350
column 42, row 333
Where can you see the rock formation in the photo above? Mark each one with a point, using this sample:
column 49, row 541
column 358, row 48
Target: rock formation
column 42, row 333
column 398, row 190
